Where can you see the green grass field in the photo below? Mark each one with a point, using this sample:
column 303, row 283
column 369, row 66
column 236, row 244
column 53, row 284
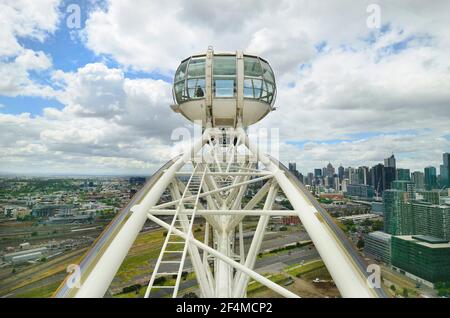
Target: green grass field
column 41, row 292
column 297, row 270
column 254, row 286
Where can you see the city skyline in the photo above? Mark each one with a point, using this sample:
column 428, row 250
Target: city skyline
column 398, row 166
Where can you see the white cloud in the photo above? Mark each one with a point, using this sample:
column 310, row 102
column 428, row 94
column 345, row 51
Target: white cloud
column 413, row 151
column 108, row 120
column 22, row 18
column 25, row 19
column 16, row 75
column 392, row 83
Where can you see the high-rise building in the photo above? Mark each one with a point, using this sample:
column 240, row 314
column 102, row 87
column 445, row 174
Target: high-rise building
column 388, row 177
column 422, row 256
column 445, row 170
column 318, row 173
column 390, row 162
column 430, row 178
column 336, row 183
column 403, row 174
column 407, row 186
column 344, row 185
column 431, row 219
column 345, row 173
column 341, row 173
column 353, row 176
column 329, row 182
column 310, row 178
column 294, row 171
column 397, row 214
column 292, row 166
column 330, row 170
column 403, row 215
column 376, row 174
column 363, row 175
column 418, row 178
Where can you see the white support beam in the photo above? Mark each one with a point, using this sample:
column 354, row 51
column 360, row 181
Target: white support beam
column 228, row 212
column 242, row 280
column 257, row 277
column 204, row 194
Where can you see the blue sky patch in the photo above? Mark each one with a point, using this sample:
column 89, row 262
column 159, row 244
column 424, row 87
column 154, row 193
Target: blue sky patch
column 27, row 104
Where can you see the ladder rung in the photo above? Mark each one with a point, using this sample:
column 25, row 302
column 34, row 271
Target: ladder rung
column 174, row 252
column 173, row 242
column 170, row 262
column 165, row 274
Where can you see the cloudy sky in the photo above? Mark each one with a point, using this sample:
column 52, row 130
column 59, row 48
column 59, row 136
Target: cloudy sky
column 94, row 97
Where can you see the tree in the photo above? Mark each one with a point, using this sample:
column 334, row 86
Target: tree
column 131, row 288
column 405, row 292
column 160, row 280
column 360, row 244
column 442, row 292
column 393, row 288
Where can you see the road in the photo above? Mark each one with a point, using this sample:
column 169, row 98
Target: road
column 294, row 256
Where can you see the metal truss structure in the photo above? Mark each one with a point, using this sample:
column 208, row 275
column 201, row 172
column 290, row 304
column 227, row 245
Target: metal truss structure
column 209, row 182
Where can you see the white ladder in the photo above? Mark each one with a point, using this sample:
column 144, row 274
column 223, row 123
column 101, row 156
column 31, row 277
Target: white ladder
column 172, row 241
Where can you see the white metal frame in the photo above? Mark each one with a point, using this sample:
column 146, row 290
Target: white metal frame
column 220, row 271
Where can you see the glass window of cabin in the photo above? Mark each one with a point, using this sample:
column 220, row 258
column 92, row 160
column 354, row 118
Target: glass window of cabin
column 180, row 92
column 224, row 87
column 268, row 74
column 224, row 73
column 196, row 88
column 224, row 66
column 196, row 67
column 270, row 91
column 181, row 72
column 264, row 93
column 248, row 88
column 252, row 67
column 257, row 87
column 252, row 88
